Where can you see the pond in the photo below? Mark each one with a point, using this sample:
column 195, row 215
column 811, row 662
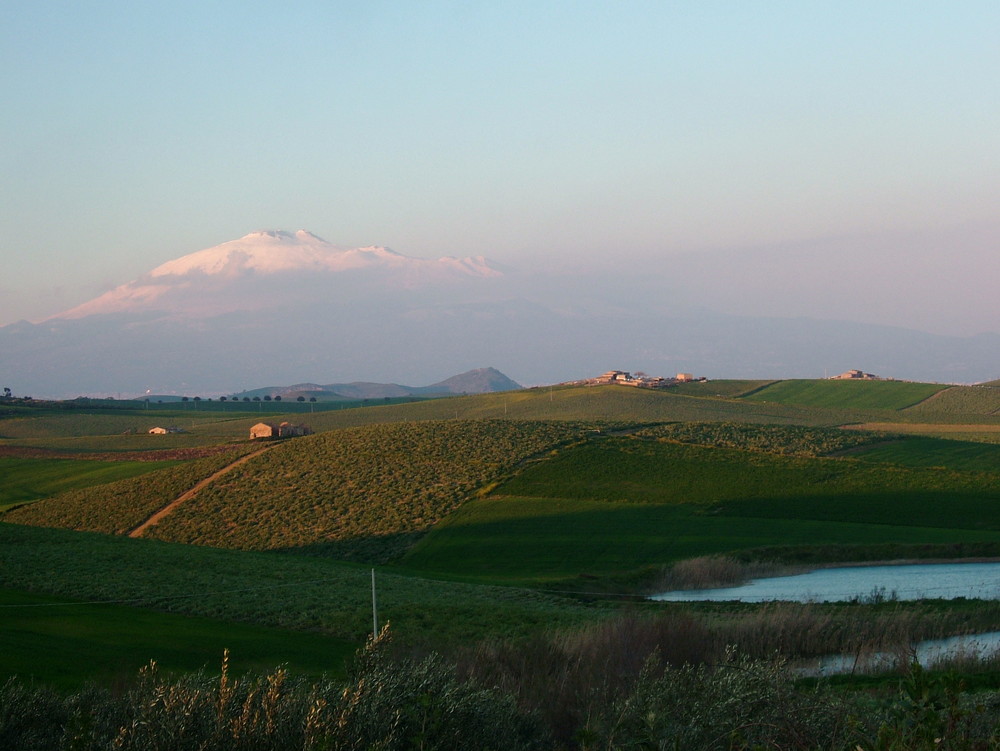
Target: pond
column 927, row 653
column 866, row 583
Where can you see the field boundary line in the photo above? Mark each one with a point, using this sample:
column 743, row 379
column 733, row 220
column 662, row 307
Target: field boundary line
column 926, row 399
column 754, row 390
column 187, row 495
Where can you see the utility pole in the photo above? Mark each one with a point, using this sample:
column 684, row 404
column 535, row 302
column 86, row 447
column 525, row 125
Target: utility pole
column 374, row 609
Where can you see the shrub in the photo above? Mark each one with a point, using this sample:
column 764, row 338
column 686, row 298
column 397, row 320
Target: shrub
column 737, row 704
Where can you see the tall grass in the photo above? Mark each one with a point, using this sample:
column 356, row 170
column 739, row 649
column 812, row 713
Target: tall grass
column 384, row 705
column 631, row 684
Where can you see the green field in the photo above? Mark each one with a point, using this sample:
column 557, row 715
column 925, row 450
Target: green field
column 836, row 394
column 25, row 480
column 724, row 389
column 556, row 542
column 294, row 592
column 925, row 451
column 117, row 507
column 616, row 505
column 960, row 400
column 67, row 643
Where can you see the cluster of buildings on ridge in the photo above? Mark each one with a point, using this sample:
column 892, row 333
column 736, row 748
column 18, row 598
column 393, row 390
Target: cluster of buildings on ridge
column 640, row 380
column 858, row 375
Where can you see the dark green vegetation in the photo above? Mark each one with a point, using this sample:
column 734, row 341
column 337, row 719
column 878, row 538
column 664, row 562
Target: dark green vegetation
column 301, row 593
column 785, row 439
column 616, row 504
column 919, row 451
column 528, row 699
column 65, row 642
column 576, row 490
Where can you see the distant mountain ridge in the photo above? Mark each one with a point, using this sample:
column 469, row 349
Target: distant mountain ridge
column 280, row 307
column 477, row 381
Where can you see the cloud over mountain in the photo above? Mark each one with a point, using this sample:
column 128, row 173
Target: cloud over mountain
column 221, row 279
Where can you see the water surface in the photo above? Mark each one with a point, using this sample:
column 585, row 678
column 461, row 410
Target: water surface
column 927, row 653
column 907, row 582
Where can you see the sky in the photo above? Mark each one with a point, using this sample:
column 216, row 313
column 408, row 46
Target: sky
column 544, row 135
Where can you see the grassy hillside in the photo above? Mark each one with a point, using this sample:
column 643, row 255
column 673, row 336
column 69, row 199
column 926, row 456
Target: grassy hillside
column 520, row 489
column 283, row 591
column 362, row 493
column 773, row 439
column 959, row 401
column 117, row 507
column 836, row 394
column 607, row 404
column 359, row 494
column 741, row 483
column 618, row 504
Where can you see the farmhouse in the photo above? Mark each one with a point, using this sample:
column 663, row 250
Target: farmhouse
column 284, row 430
column 614, row 376
column 264, row 430
column 857, row 375
column 164, row 431
column 287, row 430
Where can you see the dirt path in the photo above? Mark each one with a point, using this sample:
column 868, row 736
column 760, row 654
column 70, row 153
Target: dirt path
column 189, row 494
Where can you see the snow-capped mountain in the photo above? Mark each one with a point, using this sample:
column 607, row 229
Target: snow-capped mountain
column 207, row 282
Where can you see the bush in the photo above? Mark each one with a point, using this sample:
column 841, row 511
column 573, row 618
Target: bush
column 737, row 704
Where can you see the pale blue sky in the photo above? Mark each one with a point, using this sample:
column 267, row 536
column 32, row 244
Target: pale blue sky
column 537, row 133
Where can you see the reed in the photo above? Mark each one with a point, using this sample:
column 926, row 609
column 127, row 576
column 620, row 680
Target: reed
column 713, row 572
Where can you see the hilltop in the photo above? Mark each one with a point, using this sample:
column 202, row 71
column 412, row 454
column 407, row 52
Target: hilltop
column 477, row 381
column 375, row 480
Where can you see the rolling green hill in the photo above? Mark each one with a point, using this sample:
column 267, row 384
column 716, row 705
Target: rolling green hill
column 360, row 493
column 567, row 488
column 615, row 505
column 847, row 394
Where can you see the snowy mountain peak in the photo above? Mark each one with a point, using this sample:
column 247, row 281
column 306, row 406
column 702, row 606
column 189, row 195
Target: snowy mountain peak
column 179, row 286
column 282, row 235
